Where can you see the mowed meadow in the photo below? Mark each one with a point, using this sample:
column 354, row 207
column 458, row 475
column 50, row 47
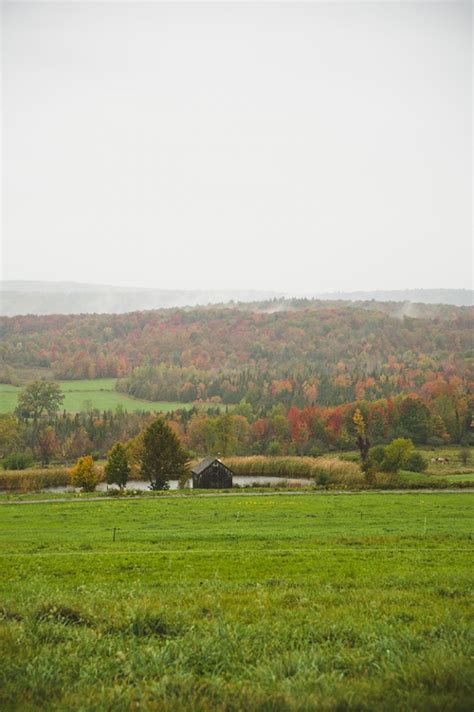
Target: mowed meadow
column 85, row 395
column 278, row 602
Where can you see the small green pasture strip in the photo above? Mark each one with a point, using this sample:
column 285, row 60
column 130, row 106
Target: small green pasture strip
column 8, row 388
column 97, row 393
column 8, row 398
column 88, row 385
column 464, row 477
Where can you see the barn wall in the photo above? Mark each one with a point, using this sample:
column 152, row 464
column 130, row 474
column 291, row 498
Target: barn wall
column 213, row 478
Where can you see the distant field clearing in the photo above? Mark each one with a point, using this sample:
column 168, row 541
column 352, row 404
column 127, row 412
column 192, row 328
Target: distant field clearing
column 88, row 394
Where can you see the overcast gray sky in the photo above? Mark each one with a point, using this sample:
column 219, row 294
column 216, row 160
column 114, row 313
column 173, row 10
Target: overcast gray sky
column 296, row 147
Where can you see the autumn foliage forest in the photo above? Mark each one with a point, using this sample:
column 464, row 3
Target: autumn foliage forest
column 291, row 373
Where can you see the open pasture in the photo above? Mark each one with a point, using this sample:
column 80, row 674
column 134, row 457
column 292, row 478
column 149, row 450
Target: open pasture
column 84, row 395
column 327, row 602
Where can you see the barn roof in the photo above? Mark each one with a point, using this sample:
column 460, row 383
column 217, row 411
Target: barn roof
column 207, row 462
column 203, row 465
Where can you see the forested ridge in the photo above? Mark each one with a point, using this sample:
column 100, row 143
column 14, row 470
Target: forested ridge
column 293, row 374
column 301, row 353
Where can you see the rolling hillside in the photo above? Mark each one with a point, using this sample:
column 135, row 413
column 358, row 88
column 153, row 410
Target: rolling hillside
column 298, row 352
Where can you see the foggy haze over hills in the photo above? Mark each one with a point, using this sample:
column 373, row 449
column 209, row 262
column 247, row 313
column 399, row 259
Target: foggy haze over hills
column 23, row 297
column 144, row 147
column 257, row 146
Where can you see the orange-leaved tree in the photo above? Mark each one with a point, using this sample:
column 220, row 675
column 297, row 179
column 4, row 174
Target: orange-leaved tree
column 84, row 474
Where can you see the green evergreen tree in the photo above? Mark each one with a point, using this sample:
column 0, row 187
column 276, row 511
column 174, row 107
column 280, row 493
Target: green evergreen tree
column 163, row 456
column 117, row 469
column 415, row 419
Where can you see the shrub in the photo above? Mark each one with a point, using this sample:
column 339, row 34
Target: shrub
column 399, row 453
column 321, row 476
column 17, row 461
column 84, row 474
column 396, row 453
column 415, row 462
column 375, row 459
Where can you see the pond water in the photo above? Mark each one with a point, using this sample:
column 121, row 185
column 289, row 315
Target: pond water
column 238, row 480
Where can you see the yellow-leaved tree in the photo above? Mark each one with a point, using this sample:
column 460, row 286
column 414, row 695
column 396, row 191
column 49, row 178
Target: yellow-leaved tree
column 362, row 439
column 84, row 474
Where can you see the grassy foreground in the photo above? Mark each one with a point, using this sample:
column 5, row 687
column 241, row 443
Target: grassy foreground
column 331, row 602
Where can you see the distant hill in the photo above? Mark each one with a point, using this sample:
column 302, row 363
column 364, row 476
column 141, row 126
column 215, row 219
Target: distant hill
column 28, row 297
column 292, row 352
column 18, row 297
column 455, row 297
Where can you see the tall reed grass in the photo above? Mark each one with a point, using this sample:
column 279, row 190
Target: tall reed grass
column 323, row 470
column 35, row 479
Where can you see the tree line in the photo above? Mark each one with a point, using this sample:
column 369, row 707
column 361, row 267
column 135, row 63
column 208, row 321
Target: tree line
column 40, row 431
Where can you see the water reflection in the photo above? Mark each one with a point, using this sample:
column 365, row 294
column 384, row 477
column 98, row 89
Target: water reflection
column 238, row 480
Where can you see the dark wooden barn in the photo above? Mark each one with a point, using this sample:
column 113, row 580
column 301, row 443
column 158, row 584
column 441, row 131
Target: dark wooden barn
column 211, row 473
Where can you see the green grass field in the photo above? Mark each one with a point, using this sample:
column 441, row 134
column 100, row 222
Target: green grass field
column 304, row 602
column 464, row 477
column 87, row 394
column 8, row 398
